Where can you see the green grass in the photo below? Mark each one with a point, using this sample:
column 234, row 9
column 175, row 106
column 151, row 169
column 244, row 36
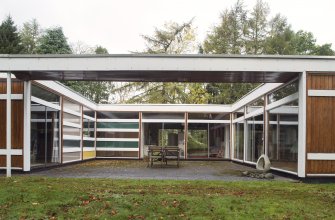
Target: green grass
column 61, row 198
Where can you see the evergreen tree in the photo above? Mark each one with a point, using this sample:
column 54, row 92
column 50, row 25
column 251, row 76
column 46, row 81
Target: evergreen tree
column 9, row 37
column 257, row 28
column 30, row 34
column 53, row 41
column 100, row 50
column 281, row 37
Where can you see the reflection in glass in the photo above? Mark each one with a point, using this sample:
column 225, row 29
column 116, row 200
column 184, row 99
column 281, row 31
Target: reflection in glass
column 164, row 134
column 88, row 128
column 283, row 137
column 197, row 140
column 254, row 148
column 44, row 94
column 71, row 105
column 239, row 140
column 45, row 148
column 284, row 91
column 219, row 140
column 117, row 115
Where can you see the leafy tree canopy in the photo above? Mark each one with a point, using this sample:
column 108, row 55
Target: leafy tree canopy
column 53, row 41
column 29, row 35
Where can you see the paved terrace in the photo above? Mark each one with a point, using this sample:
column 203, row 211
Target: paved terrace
column 132, row 169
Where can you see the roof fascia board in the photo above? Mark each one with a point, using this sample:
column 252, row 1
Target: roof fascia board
column 166, row 63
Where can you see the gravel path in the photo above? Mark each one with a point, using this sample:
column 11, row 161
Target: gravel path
column 189, row 170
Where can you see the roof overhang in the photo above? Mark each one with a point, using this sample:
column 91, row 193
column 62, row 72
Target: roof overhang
column 163, row 68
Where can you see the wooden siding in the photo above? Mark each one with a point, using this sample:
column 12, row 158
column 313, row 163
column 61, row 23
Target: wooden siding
column 17, row 161
column 16, row 120
column 320, row 123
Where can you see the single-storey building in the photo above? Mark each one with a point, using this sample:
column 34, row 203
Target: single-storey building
column 290, row 117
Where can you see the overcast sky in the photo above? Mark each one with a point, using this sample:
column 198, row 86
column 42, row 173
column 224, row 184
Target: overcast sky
column 118, row 24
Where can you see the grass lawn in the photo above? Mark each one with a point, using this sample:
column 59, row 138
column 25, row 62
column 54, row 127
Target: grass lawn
column 64, row 198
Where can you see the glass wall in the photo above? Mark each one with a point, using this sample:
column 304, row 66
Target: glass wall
column 239, row 140
column 197, row 140
column 163, row 129
column 72, row 132
column 88, row 133
column 254, row 148
column 208, row 135
column 283, row 136
column 45, row 145
column 117, row 134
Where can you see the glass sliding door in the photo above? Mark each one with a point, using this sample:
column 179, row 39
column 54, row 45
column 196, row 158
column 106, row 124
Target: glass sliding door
column 197, row 140
column 164, row 134
column 239, row 141
column 45, row 148
column 254, row 148
column 217, row 145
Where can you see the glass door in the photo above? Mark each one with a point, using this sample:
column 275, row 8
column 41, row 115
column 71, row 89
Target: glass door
column 45, row 149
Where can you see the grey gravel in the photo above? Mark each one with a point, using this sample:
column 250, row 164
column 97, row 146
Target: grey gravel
column 189, row 170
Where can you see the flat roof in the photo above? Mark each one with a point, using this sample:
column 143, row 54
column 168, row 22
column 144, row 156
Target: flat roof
column 164, row 68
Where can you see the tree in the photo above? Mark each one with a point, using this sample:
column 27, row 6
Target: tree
column 257, row 28
column 97, row 91
column 232, row 36
column 229, row 36
column 100, row 50
column 30, row 34
column 323, row 50
column 53, row 41
column 9, row 37
column 173, row 38
column 280, row 38
column 80, row 47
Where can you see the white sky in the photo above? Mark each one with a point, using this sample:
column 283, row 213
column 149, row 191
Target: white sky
column 118, row 24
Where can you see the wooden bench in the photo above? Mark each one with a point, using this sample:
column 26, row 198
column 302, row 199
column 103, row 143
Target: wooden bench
column 163, row 154
column 171, row 153
column 155, row 153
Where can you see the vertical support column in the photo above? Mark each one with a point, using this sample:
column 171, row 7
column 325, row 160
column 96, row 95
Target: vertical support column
column 9, row 126
column 232, row 140
column 266, row 126
column 82, row 131
column 27, row 119
column 245, row 135
column 302, row 125
column 140, row 146
column 95, row 133
column 185, row 135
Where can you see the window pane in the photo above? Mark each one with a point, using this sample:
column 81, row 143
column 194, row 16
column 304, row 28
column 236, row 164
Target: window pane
column 219, row 140
column 71, row 105
column 117, row 115
column 163, row 115
column 130, row 125
column 88, row 112
column 197, row 140
column 44, row 94
column 209, row 116
column 254, row 148
column 283, row 92
column 239, row 141
column 71, row 118
column 258, row 104
column 71, row 131
column 283, row 137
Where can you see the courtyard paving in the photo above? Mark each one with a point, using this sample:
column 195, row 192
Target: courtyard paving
column 132, row 169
